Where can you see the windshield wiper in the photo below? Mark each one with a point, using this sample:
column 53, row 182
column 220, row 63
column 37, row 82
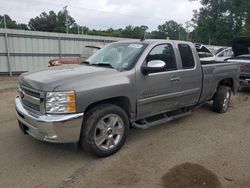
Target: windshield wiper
column 103, row 65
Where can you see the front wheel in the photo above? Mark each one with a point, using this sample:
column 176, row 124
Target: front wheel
column 105, row 129
column 222, row 99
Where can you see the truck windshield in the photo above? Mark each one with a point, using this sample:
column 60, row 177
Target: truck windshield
column 118, row 55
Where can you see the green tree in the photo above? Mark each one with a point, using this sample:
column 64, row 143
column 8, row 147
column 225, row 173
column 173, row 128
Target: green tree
column 22, row 26
column 246, row 29
column 219, row 21
column 170, row 29
column 134, row 32
column 51, row 22
column 75, row 29
column 11, row 24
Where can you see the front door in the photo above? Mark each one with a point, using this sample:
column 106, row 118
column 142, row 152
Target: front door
column 159, row 92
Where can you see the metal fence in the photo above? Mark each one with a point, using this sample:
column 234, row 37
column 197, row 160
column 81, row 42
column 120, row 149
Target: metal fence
column 22, row 51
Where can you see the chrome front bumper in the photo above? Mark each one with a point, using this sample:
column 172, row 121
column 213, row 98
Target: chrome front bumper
column 63, row 128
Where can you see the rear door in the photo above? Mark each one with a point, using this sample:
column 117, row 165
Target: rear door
column 190, row 75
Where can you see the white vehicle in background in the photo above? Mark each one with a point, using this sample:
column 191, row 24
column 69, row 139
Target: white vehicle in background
column 221, row 56
column 203, row 51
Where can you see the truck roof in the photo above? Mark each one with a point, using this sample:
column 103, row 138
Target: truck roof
column 154, row 41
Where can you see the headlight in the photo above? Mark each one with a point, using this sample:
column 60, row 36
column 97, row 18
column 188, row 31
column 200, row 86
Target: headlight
column 60, row 102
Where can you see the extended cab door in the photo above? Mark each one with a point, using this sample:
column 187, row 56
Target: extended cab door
column 159, row 92
column 190, row 74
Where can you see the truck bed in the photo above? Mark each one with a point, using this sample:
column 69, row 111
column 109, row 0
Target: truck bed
column 244, row 66
column 213, row 73
column 244, row 62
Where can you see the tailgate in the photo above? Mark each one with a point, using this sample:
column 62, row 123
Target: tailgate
column 244, row 66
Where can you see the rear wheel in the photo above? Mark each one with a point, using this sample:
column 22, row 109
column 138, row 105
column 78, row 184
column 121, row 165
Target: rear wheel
column 105, row 129
column 222, row 99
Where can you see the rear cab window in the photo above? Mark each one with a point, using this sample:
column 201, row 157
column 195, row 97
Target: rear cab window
column 187, row 56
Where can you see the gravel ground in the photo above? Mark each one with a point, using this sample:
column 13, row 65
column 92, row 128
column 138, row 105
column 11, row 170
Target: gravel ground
column 205, row 149
column 7, row 83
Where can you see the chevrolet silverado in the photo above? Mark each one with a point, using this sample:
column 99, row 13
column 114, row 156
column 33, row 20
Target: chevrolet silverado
column 126, row 84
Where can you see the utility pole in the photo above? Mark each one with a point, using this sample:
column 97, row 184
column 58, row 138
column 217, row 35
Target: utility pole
column 187, row 29
column 4, row 21
column 179, row 33
column 7, row 46
column 66, row 21
column 145, row 28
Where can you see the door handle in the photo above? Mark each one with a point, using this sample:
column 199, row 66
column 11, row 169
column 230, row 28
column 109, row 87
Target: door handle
column 175, row 79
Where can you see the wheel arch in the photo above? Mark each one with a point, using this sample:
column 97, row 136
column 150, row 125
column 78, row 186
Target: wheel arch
column 121, row 101
column 227, row 82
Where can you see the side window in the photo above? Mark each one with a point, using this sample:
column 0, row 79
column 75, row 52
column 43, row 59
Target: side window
column 226, row 53
column 163, row 52
column 187, row 57
column 223, row 54
column 230, row 53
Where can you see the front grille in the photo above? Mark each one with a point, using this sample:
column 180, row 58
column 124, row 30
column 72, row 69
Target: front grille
column 31, row 98
column 30, row 92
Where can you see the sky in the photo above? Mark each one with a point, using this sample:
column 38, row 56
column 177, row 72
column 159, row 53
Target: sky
column 104, row 14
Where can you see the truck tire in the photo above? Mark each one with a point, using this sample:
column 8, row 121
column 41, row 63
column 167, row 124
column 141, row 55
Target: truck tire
column 222, row 99
column 104, row 130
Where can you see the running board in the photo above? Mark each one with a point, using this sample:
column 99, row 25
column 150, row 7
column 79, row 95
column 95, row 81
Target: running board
column 145, row 124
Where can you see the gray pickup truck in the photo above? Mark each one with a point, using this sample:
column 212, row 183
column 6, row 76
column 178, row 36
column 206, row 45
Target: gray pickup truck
column 126, row 84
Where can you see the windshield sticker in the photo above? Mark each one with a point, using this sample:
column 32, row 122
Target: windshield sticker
column 135, row 46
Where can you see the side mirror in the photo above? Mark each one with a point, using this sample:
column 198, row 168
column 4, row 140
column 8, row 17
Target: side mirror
column 154, row 66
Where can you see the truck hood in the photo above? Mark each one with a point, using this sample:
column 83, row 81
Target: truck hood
column 51, row 78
